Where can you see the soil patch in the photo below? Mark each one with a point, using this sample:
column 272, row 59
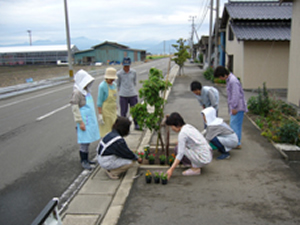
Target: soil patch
column 13, row 75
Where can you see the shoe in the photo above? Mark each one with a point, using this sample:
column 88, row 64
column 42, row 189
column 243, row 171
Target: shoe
column 238, row 147
column 92, row 162
column 85, row 164
column 191, row 172
column 111, row 176
column 224, row 156
column 137, row 127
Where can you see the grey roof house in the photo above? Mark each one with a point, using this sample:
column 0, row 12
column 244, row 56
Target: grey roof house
column 257, row 42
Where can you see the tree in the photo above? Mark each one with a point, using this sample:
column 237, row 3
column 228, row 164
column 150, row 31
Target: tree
column 152, row 95
column 182, row 54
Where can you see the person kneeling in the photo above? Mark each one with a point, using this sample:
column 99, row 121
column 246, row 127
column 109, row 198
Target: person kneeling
column 219, row 133
column 113, row 153
column 191, row 144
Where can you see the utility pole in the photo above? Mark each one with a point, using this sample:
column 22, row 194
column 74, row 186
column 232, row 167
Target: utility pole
column 216, row 61
column 210, row 33
column 29, row 32
column 192, row 36
column 68, row 41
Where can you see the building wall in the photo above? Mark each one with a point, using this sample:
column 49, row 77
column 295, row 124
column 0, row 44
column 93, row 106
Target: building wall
column 266, row 61
column 294, row 74
column 235, row 48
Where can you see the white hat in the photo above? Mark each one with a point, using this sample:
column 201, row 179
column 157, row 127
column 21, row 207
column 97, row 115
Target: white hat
column 110, row 73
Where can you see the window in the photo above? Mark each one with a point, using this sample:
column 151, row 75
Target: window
column 230, row 63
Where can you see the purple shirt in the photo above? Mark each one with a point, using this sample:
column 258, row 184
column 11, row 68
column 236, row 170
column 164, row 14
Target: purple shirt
column 235, row 94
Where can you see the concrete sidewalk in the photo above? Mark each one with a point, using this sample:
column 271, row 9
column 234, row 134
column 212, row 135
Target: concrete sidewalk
column 254, row 186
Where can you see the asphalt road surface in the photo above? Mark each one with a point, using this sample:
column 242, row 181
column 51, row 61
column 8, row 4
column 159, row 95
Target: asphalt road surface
column 39, row 156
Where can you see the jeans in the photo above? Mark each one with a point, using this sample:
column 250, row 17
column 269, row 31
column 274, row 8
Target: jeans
column 124, row 101
column 236, row 122
column 218, row 144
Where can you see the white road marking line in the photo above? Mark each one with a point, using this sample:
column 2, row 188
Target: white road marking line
column 54, row 111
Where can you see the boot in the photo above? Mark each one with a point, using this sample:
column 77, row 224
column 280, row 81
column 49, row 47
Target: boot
column 84, row 160
column 90, row 162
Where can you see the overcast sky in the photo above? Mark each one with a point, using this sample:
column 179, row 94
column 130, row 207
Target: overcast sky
column 110, row 20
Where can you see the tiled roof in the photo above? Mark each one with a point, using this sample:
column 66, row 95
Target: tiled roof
column 259, row 10
column 262, row 31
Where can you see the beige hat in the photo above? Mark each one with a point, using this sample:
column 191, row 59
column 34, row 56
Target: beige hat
column 110, row 73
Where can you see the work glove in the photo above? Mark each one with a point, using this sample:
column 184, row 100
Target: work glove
column 100, row 119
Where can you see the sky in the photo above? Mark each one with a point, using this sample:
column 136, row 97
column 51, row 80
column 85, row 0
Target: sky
column 103, row 20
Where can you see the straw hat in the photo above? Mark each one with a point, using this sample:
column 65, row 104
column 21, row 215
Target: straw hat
column 110, row 73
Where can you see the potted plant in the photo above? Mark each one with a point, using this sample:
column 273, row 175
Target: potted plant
column 148, row 177
column 162, row 159
column 141, row 155
column 146, row 150
column 151, row 158
column 157, row 177
column 164, row 178
column 171, row 159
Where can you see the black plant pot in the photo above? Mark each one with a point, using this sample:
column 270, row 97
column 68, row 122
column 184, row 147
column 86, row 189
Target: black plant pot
column 164, row 182
column 162, row 162
column 151, row 162
column 156, row 180
column 148, row 180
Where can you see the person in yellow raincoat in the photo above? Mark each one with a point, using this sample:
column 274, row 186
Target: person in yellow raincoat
column 107, row 101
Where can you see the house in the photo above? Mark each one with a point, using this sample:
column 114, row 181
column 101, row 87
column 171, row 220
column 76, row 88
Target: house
column 108, row 52
column 34, row 54
column 257, row 40
column 294, row 57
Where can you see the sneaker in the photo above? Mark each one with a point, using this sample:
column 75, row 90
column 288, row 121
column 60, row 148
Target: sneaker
column 224, row 156
column 85, row 164
column 191, row 172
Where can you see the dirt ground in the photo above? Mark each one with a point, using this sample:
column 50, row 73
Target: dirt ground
column 13, row 75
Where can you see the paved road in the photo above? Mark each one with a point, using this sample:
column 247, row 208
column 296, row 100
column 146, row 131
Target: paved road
column 39, row 155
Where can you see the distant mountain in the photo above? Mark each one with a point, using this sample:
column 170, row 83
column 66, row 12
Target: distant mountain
column 83, row 43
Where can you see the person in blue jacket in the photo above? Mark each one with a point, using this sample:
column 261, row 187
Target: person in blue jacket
column 113, row 153
column 84, row 114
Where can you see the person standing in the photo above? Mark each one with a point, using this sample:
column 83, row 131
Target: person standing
column 84, row 113
column 107, row 101
column 191, row 144
column 206, row 95
column 126, row 85
column 237, row 105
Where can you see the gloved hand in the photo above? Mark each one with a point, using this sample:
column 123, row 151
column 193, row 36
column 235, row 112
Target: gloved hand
column 100, row 119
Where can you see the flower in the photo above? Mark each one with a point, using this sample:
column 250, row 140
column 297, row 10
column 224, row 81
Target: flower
column 164, row 176
column 148, row 174
column 162, row 158
column 141, row 155
column 171, row 159
column 146, row 149
column 151, row 157
column 157, row 174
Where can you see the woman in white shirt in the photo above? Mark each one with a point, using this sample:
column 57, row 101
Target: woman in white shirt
column 191, row 144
